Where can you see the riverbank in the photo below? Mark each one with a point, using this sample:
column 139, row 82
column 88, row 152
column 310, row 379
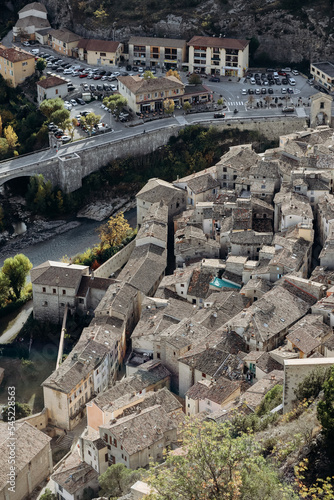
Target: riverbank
column 52, row 240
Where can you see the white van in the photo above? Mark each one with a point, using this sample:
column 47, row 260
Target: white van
column 35, row 51
column 252, row 81
column 292, row 81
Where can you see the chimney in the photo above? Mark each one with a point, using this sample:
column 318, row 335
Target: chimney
column 92, row 275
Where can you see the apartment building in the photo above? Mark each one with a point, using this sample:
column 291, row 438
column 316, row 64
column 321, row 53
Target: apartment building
column 219, row 56
column 157, row 52
column 16, row 65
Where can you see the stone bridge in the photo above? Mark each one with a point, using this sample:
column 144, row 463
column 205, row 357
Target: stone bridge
column 72, row 162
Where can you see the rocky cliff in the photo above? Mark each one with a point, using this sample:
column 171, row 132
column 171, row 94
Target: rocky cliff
column 286, row 31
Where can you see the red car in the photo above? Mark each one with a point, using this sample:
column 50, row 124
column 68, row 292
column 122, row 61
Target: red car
column 282, row 73
column 97, row 77
column 83, row 75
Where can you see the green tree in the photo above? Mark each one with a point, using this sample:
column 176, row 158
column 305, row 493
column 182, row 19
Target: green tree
column 194, row 79
column 312, row 384
column 4, row 289
column 90, row 121
column 325, row 408
column 48, row 495
column 49, row 106
column 16, row 269
column 117, row 480
column 60, row 117
column 186, row 106
column 169, row 106
column 148, row 75
column 3, row 146
column 220, row 101
column 40, row 64
column 214, row 466
column 21, row 410
column 115, row 103
column 114, row 231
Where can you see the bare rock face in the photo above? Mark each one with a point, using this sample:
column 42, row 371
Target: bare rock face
column 306, row 33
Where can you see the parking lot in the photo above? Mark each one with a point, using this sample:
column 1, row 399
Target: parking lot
column 261, row 93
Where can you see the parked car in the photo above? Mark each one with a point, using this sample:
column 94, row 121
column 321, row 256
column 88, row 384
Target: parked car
column 214, row 79
column 244, row 92
column 65, row 139
column 113, row 88
column 26, row 44
column 257, row 91
column 289, row 90
column 270, row 91
column 83, row 75
column 140, row 70
column 106, row 87
column 283, row 90
column 92, row 87
column 52, row 127
column 292, row 81
column 73, row 102
column 70, row 88
column 68, row 71
column 295, row 72
column 97, row 77
column 263, row 91
column 99, row 87
column 80, row 101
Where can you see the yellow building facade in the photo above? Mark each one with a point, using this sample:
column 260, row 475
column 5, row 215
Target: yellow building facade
column 16, row 65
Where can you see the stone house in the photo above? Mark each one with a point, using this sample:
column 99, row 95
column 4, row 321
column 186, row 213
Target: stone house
column 311, row 186
column 209, row 396
column 249, row 243
column 176, row 341
column 100, row 52
column 308, row 335
column 84, row 373
column 32, row 17
column 90, row 292
column 156, row 316
column 290, row 210
column 16, row 65
column 191, row 243
column 236, row 162
column 130, row 391
column 218, row 56
column 33, row 460
column 51, row 88
column 71, row 483
column 156, row 190
column 137, row 439
column 55, row 285
column 200, row 187
column 199, row 286
column 215, row 356
column 253, row 397
column 148, row 95
column 325, row 218
column 264, row 325
column 258, row 364
column 94, row 450
column 157, row 52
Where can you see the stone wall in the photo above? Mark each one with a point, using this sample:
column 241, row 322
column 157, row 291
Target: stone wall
column 295, row 371
column 116, row 261
column 38, row 420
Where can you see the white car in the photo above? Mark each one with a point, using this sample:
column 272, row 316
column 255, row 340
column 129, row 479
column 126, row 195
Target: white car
column 113, row 88
column 73, row 102
column 68, row 71
column 116, row 73
column 140, row 70
column 67, row 105
column 295, row 72
column 75, row 72
column 244, row 92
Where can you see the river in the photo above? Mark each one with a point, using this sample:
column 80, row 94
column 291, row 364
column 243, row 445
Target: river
column 72, row 242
